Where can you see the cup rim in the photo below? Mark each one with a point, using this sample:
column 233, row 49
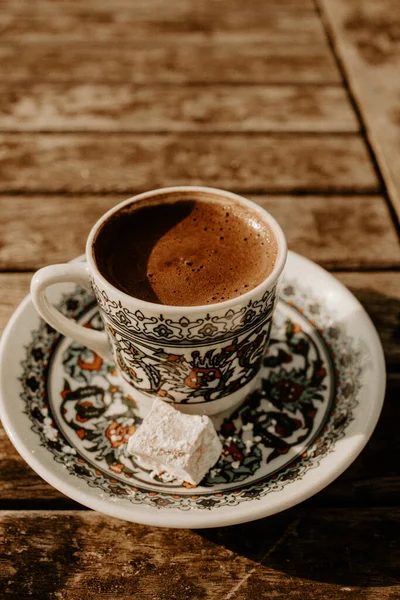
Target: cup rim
column 226, row 304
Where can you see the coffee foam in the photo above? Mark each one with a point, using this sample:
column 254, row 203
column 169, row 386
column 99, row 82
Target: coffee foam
column 185, row 251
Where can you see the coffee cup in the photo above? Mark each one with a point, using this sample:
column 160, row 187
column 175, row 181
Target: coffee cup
column 204, row 359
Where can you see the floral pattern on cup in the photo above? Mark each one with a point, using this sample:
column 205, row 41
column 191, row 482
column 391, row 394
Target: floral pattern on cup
column 218, row 326
column 192, row 376
column 163, row 357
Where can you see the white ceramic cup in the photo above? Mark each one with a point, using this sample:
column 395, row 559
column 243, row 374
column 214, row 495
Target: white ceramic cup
column 203, row 359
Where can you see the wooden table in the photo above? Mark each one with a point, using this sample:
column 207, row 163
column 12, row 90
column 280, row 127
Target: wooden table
column 294, row 104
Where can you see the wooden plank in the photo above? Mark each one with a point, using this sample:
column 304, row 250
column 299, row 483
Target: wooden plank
column 158, row 7
column 332, row 232
column 107, row 22
column 367, row 39
column 122, row 163
column 149, row 7
column 13, row 289
column 217, row 108
column 204, row 61
column 69, row 555
column 35, row 231
column 55, row 228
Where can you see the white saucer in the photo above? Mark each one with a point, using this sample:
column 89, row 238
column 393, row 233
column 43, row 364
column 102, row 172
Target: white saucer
column 68, row 414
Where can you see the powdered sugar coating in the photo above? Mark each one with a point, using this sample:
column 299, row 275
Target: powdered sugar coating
column 186, row 446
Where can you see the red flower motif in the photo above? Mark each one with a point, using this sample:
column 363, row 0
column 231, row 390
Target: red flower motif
column 288, row 390
column 115, row 430
column 198, row 377
column 86, row 404
column 231, row 348
column 95, row 365
column 117, row 467
column 81, row 419
column 234, row 451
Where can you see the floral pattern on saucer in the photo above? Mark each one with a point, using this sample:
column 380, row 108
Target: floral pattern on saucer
column 80, row 409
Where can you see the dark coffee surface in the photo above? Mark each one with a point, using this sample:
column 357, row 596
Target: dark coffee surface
column 185, row 252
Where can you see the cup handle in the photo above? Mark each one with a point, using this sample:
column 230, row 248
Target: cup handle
column 71, row 273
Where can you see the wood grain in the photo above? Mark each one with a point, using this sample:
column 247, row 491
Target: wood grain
column 183, row 20
column 202, row 61
column 367, row 39
column 39, row 230
column 79, row 553
column 131, row 95
column 157, row 6
column 134, row 108
column 122, row 163
column 13, row 289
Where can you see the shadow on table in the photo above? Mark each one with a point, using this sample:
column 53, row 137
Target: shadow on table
column 384, row 311
column 346, row 547
column 348, row 534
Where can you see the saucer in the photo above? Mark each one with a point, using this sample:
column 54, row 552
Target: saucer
column 321, row 392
